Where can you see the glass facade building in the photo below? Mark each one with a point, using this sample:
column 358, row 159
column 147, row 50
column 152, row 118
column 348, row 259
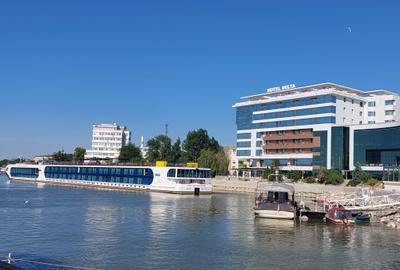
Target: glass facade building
column 380, row 146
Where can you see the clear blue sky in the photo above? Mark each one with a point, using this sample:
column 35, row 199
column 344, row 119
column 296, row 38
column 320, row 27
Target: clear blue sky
column 65, row 65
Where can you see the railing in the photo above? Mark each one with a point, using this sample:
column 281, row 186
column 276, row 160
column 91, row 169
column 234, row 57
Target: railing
column 369, row 202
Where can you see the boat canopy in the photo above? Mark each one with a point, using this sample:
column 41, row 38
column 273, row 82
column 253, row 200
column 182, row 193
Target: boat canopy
column 263, row 186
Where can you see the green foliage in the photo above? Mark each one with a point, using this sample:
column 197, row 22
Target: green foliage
column 130, row 153
column 310, row 180
column 275, row 165
column 295, row 175
column 216, row 161
column 266, row 173
column 242, row 165
column 61, row 156
column 323, row 175
column 159, row 148
column 5, row 162
column 196, row 141
column 352, row 183
column 359, row 176
column 334, row 177
column 373, row 182
column 79, row 154
column 176, row 152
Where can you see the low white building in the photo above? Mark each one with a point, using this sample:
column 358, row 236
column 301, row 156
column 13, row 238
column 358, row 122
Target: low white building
column 107, row 141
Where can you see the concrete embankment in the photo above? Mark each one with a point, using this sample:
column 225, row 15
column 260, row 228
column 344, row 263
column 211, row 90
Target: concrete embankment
column 224, row 184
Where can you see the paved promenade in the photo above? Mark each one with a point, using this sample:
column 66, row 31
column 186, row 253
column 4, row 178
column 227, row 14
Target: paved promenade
column 232, row 184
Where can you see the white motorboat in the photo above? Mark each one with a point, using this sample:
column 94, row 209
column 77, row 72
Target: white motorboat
column 275, row 201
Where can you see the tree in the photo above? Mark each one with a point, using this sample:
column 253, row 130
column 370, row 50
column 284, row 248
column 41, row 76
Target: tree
column 176, row 152
column 207, row 160
column 61, row 156
column 275, row 165
column 323, row 175
column 295, row 175
column 79, row 154
column 359, row 175
column 216, row 161
column 222, row 163
column 196, row 141
column 159, row 148
column 266, row 173
column 130, row 153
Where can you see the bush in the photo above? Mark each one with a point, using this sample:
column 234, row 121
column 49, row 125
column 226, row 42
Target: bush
column 373, row 182
column 310, row 180
column 353, row 183
column 266, row 173
column 294, row 175
column 322, row 175
column 334, row 177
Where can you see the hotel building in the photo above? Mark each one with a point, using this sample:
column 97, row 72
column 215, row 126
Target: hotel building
column 322, row 125
column 107, row 141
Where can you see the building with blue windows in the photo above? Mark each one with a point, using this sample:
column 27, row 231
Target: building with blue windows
column 323, row 125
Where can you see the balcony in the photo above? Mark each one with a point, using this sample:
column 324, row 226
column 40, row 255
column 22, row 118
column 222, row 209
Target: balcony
column 288, row 135
column 290, row 145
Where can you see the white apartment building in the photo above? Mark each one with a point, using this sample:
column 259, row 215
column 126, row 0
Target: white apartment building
column 107, row 141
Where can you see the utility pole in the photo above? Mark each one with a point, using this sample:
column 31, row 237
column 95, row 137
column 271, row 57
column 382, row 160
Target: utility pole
column 166, row 129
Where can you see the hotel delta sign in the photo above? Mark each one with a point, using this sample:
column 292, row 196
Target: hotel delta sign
column 281, row 88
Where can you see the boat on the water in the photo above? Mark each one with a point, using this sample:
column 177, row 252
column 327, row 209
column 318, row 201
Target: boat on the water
column 275, row 201
column 362, row 218
column 339, row 215
column 180, row 180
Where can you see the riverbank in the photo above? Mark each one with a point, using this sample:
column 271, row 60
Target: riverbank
column 224, row 184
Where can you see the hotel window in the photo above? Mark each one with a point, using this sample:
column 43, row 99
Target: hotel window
column 371, row 122
column 344, row 99
column 360, row 122
column 361, row 104
column 344, row 109
column 352, row 101
column 371, row 113
column 344, row 119
column 389, row 102
column 391, row 112
column 371, row 104
column 360, row 113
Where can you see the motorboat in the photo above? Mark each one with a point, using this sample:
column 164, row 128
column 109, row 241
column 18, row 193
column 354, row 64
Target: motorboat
column 275, row 201
column 339, row 215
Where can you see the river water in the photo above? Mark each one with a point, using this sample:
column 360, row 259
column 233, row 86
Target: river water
column 138, row 230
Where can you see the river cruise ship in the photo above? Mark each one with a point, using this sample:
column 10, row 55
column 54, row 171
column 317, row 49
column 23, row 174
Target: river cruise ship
column 180, row 180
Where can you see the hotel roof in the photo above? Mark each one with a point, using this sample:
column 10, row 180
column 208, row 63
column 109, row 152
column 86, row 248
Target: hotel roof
column 320, row 86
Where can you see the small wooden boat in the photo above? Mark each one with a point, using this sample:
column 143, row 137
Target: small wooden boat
column 362, row 218
column 339, row 215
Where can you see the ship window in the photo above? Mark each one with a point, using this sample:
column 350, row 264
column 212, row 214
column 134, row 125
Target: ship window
column 171, row 173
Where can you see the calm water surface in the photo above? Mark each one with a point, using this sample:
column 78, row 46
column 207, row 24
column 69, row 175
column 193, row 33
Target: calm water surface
column 136, row 230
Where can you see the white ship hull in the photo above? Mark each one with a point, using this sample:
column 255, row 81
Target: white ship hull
column 274, row 214
column 160, row 182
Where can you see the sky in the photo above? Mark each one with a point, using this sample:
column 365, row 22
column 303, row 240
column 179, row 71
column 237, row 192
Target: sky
column 65, row 65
